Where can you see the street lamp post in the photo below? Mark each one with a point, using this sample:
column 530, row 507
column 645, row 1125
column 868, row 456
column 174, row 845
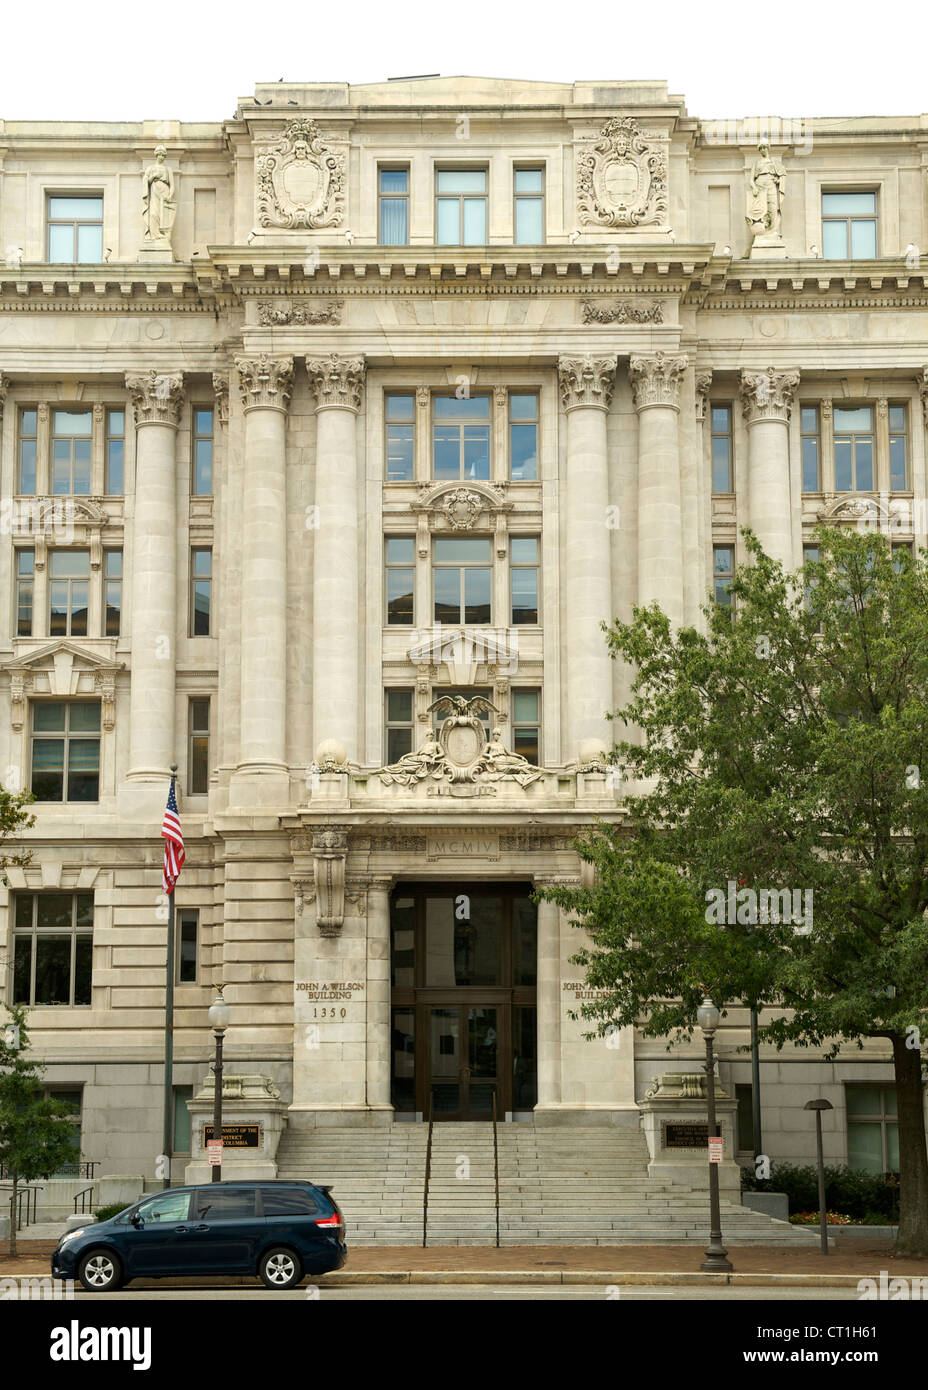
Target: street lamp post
column 818, row 1106
column 708, row 1017
column 219, row 1022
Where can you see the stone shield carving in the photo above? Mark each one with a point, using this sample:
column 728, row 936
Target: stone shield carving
column 621, row 177
column 300, row 181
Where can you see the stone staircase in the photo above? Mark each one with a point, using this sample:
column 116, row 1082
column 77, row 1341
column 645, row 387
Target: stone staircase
column 559, row 1185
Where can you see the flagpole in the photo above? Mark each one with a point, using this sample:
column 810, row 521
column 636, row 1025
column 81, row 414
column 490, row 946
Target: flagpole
column 168, row 1133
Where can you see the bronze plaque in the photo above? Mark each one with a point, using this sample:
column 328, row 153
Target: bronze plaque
column 685, row 1135
column 235, row 1136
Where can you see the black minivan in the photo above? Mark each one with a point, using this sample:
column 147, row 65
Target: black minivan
column 278, row 1230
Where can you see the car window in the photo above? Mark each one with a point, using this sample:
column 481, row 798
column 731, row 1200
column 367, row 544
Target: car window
column 288, row 1201
column 169, row 1206
column 226, row 1203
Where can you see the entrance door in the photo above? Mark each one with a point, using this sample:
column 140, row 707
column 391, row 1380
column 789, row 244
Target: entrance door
column 465, row 1047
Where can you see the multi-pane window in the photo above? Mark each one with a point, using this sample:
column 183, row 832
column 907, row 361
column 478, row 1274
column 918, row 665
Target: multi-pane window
column 68, row 592
column 71, row 451
column 723, row 571
column 898, row 471
column 462, row 576
column 399, row 722
column 112, row 591
column 72, row 1097
column 66, row 750
column 460, row 437
column 529, row 195
column 461, row 207
column 25, row 582
column 523, row 578
column 198, row 746
column 115, row 452
column 201, row 474
column 75, row 228
column 28, row 431
column 849, row 226
column 52, row 948
column 722, row 449
column 810, row 554
column 201, row 585
column 400, row 432
column 400, row 580
column 394, row 207
column 872, row 1129
column 523, row 436
column 901, row 551
column 188, row 931
column 526, row 724
column 853, row 428
column 811, row 448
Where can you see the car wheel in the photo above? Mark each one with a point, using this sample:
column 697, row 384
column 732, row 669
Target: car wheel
column 100, row 1271
column 280, row 1268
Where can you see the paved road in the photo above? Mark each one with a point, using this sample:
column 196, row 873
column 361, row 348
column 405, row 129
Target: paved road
column 443, row 1293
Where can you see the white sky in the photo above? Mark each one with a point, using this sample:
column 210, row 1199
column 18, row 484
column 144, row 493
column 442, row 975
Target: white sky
column 189, row 60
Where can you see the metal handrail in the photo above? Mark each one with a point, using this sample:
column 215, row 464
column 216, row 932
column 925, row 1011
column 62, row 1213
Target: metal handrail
column 496, row 1167
column 428, row 1172
column 28, row 1193
column 83, row 1199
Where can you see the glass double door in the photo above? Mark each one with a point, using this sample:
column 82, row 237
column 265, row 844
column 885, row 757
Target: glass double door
column 465, row 1048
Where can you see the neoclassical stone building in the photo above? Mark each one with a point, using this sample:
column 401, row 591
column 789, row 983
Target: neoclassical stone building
column 331, row 433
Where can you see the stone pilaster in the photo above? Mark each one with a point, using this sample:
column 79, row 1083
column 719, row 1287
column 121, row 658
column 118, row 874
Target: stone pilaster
column 766, row 399
column 656, row 389
column 548, row 996
column 377, row 1030
column 586, row 385
column 338, row 385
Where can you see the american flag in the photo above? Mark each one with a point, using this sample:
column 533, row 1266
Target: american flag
column 174, row 853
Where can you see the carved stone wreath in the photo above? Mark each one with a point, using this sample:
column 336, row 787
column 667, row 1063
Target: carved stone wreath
column 300, row 181
column 621, row 177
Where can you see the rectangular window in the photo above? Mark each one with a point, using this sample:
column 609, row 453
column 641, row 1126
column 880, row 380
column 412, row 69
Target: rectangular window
column 400, row 580
column 462, row 576
column 398, row 723
column 188, row 932
column 28, row 433
column 71, row 449
column 72, row 1097
column 400, row 431
column 529, row 194
column 198, row 746
column 25, row 580
column 810, row 553
column 460, row 438
column 849, row 226
column 461, row 207
column 723, row 571
column 811, row 448
column 115, row 452
column 201, row 473
column 112, row 591
column 872, row 1128
column 744, row 1096
column 75, row 228
column 68, row 591
column 526, row 725
column 183, row 1095
column 394, row 207
column 901, row 551
column 52, row 948
column 201, row 584
column 523, row 578
column 898, row 451
column 722, row 449
column 853, row 448
column 523, row 436
column 66, row 750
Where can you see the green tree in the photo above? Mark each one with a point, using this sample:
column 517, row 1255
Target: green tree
column 785, row 747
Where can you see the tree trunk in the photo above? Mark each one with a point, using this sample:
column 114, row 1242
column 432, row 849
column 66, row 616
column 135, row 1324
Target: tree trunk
column 13, row 1250
column 912, row 1238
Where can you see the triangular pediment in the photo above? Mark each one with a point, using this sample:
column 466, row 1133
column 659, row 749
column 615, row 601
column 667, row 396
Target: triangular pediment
column 56, row 654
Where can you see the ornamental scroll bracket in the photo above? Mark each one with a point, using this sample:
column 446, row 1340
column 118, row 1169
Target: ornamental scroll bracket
column 330, row 851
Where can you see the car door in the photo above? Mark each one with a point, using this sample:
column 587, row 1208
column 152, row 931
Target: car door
column 153, row 1239
column 226, row 1230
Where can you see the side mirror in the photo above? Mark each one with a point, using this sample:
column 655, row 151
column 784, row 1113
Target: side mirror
column 136, row 1221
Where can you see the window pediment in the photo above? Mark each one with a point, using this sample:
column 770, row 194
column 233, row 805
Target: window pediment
column 64, row 669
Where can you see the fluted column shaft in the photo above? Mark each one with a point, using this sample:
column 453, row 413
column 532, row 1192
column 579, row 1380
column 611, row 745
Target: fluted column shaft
column 656, row 390
column 766, row 399
column 586, row 386
column 377, row 1032
column 338, row 384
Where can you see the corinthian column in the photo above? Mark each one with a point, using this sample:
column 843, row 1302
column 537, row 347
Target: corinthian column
column 766, row 399
column 156, row 401
column 265, row 383
column 656, row 390
column 586, row 385
column 338, row 383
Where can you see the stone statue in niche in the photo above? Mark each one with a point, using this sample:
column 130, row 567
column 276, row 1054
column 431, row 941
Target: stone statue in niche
column 158, row 206
column 766, row 190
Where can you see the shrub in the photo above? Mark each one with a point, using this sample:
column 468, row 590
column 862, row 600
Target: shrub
column 106, row 1213
column 857, row 1194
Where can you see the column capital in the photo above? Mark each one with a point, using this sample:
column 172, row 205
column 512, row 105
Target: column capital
column 156, row 397
column 656, row 380
column 767, row 395
column 265, row 382
column 337, row 381
column 586, row 381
